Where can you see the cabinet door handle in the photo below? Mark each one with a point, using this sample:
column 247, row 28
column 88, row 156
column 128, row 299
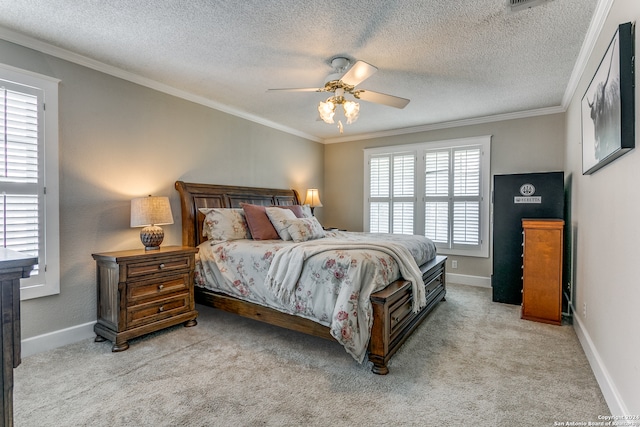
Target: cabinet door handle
column 161, row 266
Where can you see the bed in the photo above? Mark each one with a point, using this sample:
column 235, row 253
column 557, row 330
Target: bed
column 394, row 313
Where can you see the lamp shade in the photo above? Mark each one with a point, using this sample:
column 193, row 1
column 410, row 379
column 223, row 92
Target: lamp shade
column 149, row 212
column 313, row 198
column 152, row 210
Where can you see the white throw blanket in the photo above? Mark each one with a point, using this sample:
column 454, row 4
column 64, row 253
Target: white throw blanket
column 286, row 266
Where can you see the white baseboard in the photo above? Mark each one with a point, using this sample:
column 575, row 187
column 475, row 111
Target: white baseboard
column 607, row 386
column 463, row 279
column 51, row 340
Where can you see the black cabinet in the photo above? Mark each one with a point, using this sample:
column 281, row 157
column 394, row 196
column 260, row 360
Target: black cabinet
column 517, row 197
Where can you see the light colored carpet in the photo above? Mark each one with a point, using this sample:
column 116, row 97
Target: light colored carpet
column 471, row 363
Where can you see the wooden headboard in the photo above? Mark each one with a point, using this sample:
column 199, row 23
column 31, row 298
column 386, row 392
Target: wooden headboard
column 194, row 196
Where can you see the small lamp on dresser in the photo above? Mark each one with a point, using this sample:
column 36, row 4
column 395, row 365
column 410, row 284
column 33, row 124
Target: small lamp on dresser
column 313, row 199
column 150, row 212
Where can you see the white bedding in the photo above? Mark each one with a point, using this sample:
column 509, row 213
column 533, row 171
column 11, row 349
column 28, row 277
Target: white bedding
column 334, row 285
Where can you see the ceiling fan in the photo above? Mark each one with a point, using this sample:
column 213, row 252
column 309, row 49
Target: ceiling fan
column 359, row 72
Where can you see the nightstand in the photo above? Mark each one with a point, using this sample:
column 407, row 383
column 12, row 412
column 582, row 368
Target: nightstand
column 143, row 291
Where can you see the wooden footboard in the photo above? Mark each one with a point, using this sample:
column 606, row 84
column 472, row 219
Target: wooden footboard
column 393, row 317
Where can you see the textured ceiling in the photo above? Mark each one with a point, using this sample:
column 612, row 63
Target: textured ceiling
column 455, row 59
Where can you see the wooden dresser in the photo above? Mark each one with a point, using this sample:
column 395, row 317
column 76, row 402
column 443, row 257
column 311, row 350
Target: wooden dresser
column 542, row 270
column 13, row 267
column 143, row 291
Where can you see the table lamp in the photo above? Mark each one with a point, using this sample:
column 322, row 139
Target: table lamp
column 150, row 212
column 313, row 199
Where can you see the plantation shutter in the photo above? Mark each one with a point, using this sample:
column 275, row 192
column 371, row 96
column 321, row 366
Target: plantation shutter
column 453, row 196
column 403, row 193
column 392, row 193
column 466, row 196
column 20, row 171
column 379, row 195
column 436, row 207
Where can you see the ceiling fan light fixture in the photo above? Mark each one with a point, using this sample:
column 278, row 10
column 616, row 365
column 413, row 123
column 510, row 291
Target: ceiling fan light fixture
column 342, row 84
column 351, row 111
column 327, row 110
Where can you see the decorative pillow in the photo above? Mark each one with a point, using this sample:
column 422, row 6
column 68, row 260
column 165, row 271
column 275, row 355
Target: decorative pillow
column 306, row 211
column 224, row 224
column 296, row 209
column 303, row 229
column 258, row 222
column 277, row 216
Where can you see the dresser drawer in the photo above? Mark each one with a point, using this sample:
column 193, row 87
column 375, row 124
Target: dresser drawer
column 154, row 311
column 155, row 289
column 172, row 264
column 399, row 314
column 432, row 288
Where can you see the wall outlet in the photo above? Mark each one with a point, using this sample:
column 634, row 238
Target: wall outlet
column 454, row 263
column 584, row 310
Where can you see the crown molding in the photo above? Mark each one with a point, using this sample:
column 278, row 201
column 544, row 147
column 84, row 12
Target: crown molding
column 40, row 46
column 593, row 32
column 446, row 125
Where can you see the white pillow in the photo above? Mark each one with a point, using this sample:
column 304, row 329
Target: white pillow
column 277, row 216
column 303, row 229
column 306, row 211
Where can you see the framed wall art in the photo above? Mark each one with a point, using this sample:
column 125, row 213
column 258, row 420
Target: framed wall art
column 607, row 108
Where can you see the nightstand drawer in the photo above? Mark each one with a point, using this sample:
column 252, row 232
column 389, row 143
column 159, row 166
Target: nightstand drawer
column 156, row 289
column 157, row 310
column 171, row 264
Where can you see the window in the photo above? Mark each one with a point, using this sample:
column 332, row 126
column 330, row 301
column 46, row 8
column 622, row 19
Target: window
column 437, row 189
column 29, row 175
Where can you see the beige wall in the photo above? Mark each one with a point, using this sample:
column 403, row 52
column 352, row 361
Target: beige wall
column 119, row 140
column 605, row 212
column 532, row 144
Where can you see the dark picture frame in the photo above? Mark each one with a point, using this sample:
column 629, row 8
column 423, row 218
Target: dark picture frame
column 608, row 105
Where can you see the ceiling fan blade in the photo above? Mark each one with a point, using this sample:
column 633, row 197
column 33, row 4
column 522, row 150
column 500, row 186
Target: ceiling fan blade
column 300, row 89
column 382, row 98
column 358, row 73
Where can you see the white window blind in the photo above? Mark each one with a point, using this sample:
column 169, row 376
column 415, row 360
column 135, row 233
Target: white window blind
column 19, row 175
column 452, row 196
column 380, row 173
column 28, row 215
column 454, row 193
column 436, row 206
column 391, row 192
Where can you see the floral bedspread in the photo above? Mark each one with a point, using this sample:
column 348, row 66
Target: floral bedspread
column 334, row 287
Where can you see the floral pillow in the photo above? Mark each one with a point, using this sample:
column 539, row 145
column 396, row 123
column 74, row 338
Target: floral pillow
column 303, row 229
column 278, row 216
column 224, row 224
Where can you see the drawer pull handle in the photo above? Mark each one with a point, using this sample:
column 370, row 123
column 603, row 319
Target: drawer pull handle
column 161, row 309
column 395, row 319
column 161, row 266
column 160, row 287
